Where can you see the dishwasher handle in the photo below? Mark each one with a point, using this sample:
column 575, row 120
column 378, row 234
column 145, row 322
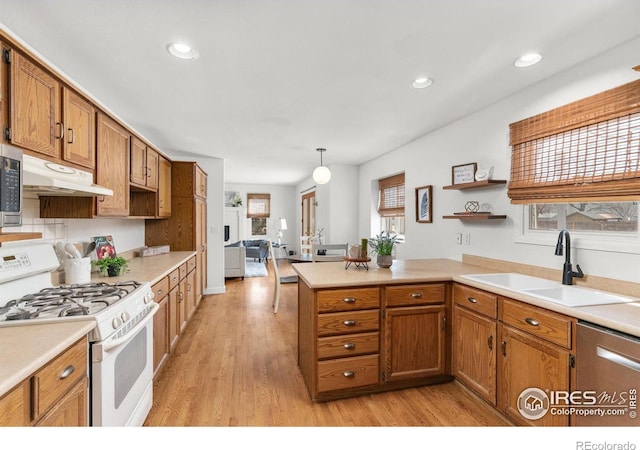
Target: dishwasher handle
column 617, row 358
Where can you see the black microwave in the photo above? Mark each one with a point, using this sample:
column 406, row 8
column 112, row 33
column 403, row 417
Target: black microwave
column 10, row 186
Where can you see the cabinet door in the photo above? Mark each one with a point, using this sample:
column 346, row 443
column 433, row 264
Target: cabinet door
column 184, row 308
column 14, row 407
column 161, row 334
column 112, row 169
column 164, row 187
column 151, row 163
column 138, row 170
column 71, row 411
column 474, row 355
column 79, row 121
column 200, row 184
column 174, row 317
column 35, row 107
column 201, row 246
column 547, row 368
column 414, row 342
column 191, row 293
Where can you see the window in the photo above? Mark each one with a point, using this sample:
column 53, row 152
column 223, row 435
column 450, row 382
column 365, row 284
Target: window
column 597, row 218
column 258, row 205
column 391, row 204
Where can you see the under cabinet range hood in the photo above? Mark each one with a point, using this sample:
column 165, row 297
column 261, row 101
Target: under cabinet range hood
column 53, row 179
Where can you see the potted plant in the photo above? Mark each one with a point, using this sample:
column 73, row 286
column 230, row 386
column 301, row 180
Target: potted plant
column 382, row 245
column 112, row 265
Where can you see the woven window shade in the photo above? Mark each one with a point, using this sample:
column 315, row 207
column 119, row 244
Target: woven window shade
column 258, row 205
column 391, row 196
column 588, row 150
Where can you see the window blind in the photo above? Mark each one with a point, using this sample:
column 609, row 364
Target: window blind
column 258, row 205
column 391, row 196
column 588, row 150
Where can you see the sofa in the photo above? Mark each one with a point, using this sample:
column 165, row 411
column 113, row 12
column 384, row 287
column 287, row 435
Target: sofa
column 234, row 261
column 257, row 249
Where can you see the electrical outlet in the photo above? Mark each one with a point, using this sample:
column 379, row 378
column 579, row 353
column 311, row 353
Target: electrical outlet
column 459, row 238
column 467, row 239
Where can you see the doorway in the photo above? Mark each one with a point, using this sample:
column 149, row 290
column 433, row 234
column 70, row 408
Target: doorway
column 308, row 214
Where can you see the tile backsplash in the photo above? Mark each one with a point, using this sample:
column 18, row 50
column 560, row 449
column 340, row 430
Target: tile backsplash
column 51, row 229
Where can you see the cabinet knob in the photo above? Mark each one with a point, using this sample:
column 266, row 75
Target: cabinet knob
column 349, row 374
column 532, row 322
column 349, row 346
column 472, row 300
column 349, row 323
column 66, row 372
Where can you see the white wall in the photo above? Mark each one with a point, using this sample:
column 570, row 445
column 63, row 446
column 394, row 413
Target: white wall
column 483, row 137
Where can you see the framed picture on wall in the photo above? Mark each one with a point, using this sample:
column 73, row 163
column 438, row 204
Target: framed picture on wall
column 424, row 204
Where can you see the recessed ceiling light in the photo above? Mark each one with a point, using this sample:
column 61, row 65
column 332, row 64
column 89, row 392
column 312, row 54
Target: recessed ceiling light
column 422, row 82
column 528, row 60
column 182, row 51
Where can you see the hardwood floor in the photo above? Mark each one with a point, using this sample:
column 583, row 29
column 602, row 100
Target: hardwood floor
column 235, row 365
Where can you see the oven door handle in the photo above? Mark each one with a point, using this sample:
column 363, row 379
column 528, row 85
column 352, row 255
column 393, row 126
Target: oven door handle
column 111, row 344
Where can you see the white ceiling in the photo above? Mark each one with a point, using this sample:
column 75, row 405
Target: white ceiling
column 278, row 78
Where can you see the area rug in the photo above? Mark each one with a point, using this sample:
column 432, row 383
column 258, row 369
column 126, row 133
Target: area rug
column 255, row 269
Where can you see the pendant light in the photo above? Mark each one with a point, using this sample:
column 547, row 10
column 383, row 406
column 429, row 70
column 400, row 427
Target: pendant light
column 321, row 174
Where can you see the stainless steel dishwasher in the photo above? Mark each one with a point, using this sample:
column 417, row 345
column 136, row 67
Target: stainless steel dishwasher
column 607, row 377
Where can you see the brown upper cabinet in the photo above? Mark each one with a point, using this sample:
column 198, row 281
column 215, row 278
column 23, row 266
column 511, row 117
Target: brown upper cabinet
column 47, row 117
column 113, row 166
column 144, row 165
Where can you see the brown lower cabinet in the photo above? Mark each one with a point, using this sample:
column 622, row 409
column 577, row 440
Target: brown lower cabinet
column 369, row 339
column 175, row 295
column 502, row 347
column 56, row 395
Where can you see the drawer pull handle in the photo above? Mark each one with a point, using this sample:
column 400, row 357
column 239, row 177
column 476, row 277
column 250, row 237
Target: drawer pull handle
column 349, row 374
column 490, row 342
column 416, row 295
column 472, row 300
column 66, row 372
column 532, row 322
column 504, row 348
column 349, row 323
column 349, row 346
column 349, row 300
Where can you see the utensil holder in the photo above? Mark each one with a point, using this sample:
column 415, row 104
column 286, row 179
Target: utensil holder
column 77, row 270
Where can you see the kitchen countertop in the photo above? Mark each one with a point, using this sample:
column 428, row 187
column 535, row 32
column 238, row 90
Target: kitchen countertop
column 26, row 348
column 621, row 317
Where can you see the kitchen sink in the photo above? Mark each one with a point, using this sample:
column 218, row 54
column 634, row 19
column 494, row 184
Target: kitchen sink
column 548, row 290
column 576, row 296
column 512, row 281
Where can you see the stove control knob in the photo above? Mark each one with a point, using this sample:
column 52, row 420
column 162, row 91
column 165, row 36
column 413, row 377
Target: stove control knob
column 116, row 322
column 125, row 316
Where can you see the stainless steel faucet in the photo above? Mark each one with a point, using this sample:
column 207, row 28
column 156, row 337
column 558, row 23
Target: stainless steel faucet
column 567, row 271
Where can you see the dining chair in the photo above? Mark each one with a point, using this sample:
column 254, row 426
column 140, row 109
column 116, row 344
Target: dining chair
column 278, row 279
column 328, row 252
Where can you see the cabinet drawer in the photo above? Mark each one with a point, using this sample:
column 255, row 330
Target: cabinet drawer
column 160, row 289
column 348, row 373
column 191, row 264
column 182, row 270
column 174, row 278
column 476, row 300
column 545, row 324
column 348, row 299
column 349, row 345
column 415, row 294
column 57, row 377
column 348, row 322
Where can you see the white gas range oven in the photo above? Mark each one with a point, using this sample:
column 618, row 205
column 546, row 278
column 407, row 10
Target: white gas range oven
column 121, row 344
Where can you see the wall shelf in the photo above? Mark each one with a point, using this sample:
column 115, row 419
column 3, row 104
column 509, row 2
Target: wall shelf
column 476, row 184
column 477, row 217
column 10, row 237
